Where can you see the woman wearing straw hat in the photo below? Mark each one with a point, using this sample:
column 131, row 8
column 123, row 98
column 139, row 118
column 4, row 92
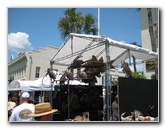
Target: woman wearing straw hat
column 11, row 105
column 43, row 112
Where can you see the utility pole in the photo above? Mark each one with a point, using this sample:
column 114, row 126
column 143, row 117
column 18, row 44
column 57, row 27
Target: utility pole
column 98, row 21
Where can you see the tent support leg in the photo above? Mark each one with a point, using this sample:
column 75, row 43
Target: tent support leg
column 108, row 82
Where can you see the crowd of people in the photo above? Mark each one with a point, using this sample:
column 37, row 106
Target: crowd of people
column 29, row 112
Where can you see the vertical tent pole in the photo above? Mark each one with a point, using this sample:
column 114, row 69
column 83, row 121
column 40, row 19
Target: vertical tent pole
column 52, row 84
column 68, row 90
column 71, row 70
column 129, row 57
column 108, row 81
column 51, row 65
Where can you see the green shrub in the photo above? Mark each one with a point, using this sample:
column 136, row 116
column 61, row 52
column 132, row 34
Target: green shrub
column 138, row 75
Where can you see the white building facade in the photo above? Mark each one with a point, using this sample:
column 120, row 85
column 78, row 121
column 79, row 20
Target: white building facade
column 146, row 41
column 32, row 65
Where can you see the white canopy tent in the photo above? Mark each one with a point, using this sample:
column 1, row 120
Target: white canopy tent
column 88, row 45
column 17, row 85
column 83, row 46
column 41, row 84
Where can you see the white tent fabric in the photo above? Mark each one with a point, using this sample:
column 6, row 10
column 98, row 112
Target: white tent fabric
column 41, row 84
column 85, row 46
column 17, row 85
column 88, row 45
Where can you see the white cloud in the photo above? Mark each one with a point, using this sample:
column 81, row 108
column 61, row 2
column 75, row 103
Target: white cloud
column 19, row 42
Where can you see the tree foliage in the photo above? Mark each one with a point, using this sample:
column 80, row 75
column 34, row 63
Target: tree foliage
column 76, row 22
column 114, row 83
column 138, row 75
column 153, row 76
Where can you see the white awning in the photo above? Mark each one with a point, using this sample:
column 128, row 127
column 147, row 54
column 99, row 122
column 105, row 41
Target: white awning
column 41, row 84
column 88, row 45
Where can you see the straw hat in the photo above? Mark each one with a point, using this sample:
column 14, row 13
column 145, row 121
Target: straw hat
column 11, row 105
column 42, row 109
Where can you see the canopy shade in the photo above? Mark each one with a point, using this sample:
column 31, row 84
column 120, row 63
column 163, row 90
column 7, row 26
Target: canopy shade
column 41, row 84
column 87, row 45
column 17, row 85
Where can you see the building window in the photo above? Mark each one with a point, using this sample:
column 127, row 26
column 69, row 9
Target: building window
column 37, row 72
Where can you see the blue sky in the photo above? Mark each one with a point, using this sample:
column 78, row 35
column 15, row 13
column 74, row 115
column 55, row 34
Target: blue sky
column 33, row 28
column 5, row 4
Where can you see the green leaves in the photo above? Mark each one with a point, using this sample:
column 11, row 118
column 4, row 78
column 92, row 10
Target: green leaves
column 76, row 22
column 138, row 75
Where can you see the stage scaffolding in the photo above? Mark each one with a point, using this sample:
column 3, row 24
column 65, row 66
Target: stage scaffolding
column 106, row 97
column 82, row 46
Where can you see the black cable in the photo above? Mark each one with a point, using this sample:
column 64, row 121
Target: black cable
column 43, row 83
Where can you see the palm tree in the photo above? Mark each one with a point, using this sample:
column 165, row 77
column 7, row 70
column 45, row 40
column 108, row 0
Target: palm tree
column 152, row 38
column 76, row 22
column 89, row 24
column 151, row 32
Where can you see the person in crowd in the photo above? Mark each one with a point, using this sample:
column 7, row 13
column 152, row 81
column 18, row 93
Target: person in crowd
column 11, row 105
column 43, row 112
column 41, row 98
column 31, row 101
column 15, row 99
column 115, row 107
column 20, row 112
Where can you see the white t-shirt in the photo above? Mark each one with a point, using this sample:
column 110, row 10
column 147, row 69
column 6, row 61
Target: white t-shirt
column 20, row 112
